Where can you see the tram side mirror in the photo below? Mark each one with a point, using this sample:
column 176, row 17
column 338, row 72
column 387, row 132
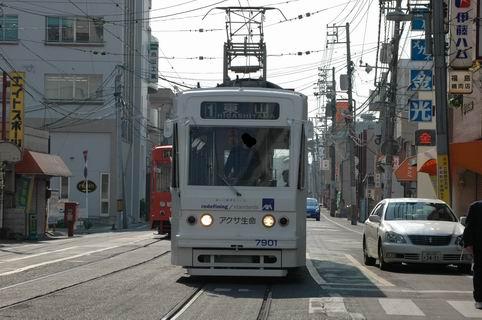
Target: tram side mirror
column 168, row 128
column 463, row 220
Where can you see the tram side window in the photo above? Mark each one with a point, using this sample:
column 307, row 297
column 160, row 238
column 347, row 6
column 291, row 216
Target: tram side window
column 163, row 178
column 302, row 165
column 175, row 159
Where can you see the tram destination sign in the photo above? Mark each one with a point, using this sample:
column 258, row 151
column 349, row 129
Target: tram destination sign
column 240, row 110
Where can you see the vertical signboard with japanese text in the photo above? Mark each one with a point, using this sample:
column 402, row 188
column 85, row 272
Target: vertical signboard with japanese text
column 17, row 95
column 443, row 179
column 418, row 50
column 462, row 33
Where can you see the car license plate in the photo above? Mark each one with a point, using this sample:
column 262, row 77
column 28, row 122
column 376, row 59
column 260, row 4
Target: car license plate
column 430, row 256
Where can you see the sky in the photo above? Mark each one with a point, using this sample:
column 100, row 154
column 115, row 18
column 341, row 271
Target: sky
column 174, row 21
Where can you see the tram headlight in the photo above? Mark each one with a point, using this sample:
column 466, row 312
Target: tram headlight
column 206, row 220
column 268, row 221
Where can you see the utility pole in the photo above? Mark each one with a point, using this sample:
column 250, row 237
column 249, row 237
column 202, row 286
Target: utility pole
column 390, row 146
column 440, row 83
column 332, row 147
column 349, row 118
column 120, row 162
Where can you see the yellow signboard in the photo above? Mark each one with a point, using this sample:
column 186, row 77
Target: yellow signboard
column 443, row 178
column 17, row 94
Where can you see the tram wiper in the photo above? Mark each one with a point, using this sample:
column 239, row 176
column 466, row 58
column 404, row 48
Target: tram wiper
column 232, row 188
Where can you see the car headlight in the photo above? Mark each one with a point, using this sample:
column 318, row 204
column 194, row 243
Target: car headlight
column 206, row 220
column 459, row 240
column 268, row 221
column 394, row 237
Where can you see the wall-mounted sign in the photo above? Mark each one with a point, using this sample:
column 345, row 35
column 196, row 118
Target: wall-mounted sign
column 341, row 110
column 325, row 165
column 460, row 81
column 418, row 20
column 153, row 60
column 462, row 33
column 421, row 80
column 443, row 178
column 420, row 110
column 91, row 186
column 425, row 137
column 17, row 93
column 418, row 51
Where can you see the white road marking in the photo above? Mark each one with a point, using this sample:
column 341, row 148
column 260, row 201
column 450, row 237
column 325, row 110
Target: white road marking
column 400, row 307
column 370, row 274
column 327, row 305
column 244, row 290
column 38, row 254
column 54, row 261
column 312, row 270
column 187, row 305
column 329, row 287
column 222, row 289
column 340, row 225
column 466, row 308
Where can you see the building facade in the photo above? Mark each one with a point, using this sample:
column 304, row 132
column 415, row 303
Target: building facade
column 86, row 66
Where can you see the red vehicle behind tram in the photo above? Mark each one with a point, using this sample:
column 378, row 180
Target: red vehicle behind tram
column 160, row 195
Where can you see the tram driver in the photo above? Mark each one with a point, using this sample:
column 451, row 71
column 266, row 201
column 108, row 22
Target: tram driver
column 243, row 161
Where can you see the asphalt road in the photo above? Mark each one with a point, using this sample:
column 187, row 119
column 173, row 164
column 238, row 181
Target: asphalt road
column 127, row 275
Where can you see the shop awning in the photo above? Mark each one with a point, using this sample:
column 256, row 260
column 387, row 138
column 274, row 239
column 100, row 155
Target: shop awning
column 467, row 155
column 429, row 167
column 407, row 170
column 37, row 163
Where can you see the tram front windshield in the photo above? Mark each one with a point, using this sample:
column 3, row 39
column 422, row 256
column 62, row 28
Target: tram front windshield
column 238, row 156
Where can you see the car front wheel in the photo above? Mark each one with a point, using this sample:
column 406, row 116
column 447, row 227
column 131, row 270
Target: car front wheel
column 381, row 261
column 369, row 261
column 465, row 268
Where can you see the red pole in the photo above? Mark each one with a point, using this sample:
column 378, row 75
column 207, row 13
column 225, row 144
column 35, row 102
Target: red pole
column 4, row 106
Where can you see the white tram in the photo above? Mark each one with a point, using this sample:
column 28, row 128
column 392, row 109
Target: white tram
column 238, row 189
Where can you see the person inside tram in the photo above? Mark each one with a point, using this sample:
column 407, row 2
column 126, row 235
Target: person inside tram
column 243, row 161
column 286, row 175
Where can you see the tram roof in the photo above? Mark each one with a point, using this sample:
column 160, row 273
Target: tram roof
column 252, row 85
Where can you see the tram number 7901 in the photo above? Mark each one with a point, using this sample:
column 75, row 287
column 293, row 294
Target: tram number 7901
column 266, row 243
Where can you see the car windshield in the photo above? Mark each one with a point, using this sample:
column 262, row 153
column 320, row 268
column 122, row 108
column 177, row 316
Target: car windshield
column 311, row 202
column 419, row 211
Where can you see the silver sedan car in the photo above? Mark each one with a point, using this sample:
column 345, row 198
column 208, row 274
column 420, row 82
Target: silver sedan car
column 414, row 230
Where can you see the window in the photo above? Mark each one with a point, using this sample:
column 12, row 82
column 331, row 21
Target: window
column 163, row 177
column 64, row 187
column 8, row 28
column 73, row 87
column 104, row 194
column 224, row 156
column 302, row 164
column 74, row 30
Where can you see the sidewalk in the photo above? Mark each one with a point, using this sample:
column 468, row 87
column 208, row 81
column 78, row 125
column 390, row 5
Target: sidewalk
column 62, row 232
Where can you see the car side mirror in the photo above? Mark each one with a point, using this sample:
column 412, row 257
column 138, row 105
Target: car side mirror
column 374, row 218
column 463, row 220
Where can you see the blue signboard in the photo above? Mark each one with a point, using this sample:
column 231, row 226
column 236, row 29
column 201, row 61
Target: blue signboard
column 418, row 21
column 418, row 50
column 420, row 80
column 420, row 110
